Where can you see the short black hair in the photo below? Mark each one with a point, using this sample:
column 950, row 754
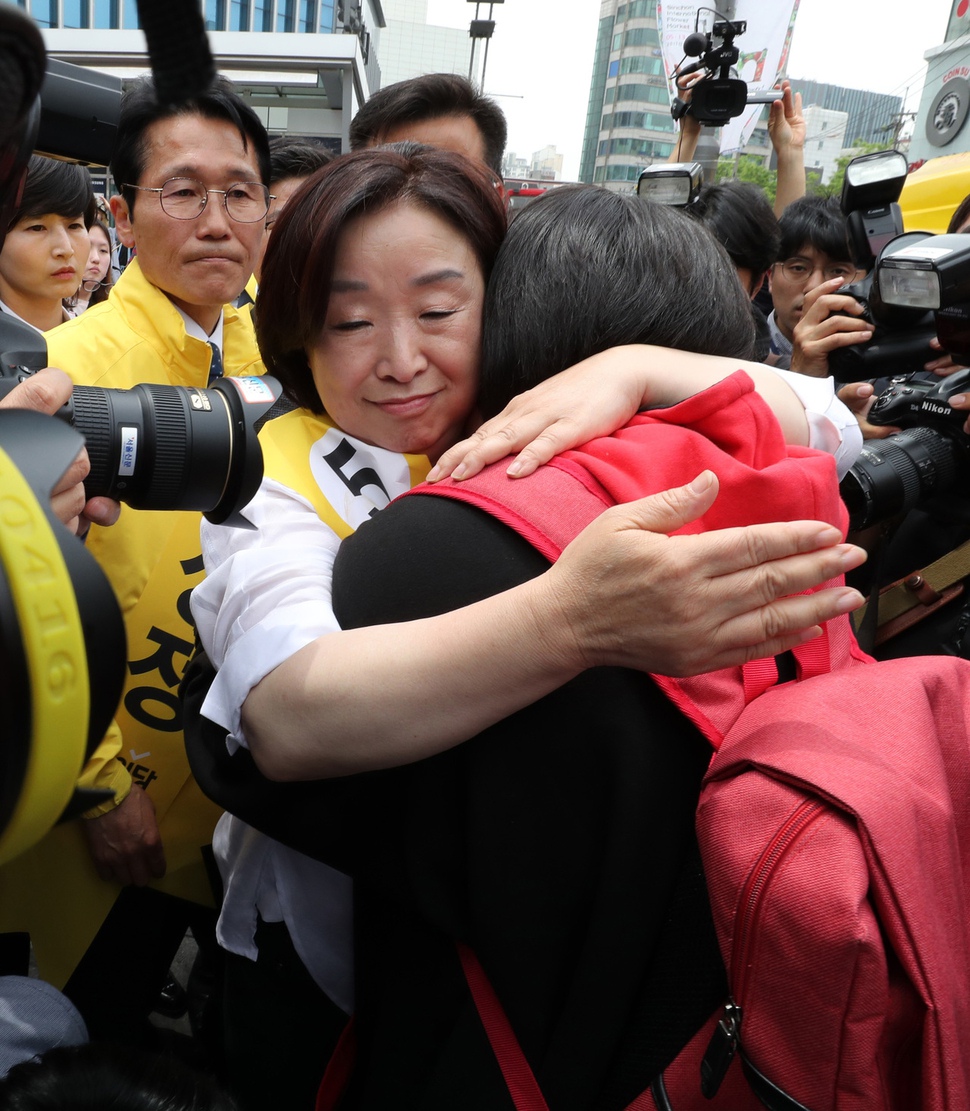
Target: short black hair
column 583, row 269
column 140, row 108
column 59, row 187
column 99, row 1075
column 817, row 221
column 431, row 97
column 292, row 156
column 742, row 221
column 960, row 216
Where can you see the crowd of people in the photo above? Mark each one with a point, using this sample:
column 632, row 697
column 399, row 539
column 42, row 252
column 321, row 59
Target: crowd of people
column 360, row 738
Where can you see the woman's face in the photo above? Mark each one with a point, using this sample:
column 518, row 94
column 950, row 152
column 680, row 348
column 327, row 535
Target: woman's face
column 396, row 362
column 42, row 258
column 99, row 258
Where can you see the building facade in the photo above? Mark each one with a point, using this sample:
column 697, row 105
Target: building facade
column 871, row 116
column 628, row 122
column 411, row 46
column 825, row 140
column 941, row 121
column 305, row 66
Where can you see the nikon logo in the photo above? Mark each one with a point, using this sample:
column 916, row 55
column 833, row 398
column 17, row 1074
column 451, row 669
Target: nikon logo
column 935, row 407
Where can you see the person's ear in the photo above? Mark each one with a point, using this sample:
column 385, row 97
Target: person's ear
column 759, row 280
column 119, row 210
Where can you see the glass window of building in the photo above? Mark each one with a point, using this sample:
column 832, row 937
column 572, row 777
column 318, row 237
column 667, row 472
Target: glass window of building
column 239, row 15
column 642, row 9
column 654, row 94
column 641, row 63
column 106, row 13
column 131, row 14
column 286, row 15
column 617, row 41
column 641, row 36
column 44, row 12
column 262, row 15
column 215, row 15
column 326, row 17
column 308, row 16
column 621, row 13
column 75, row 13
column 614, row 68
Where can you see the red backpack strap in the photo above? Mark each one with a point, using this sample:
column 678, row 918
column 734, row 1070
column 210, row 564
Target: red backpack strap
column 519, row 1079
column 339, row 1070
column 547, row 508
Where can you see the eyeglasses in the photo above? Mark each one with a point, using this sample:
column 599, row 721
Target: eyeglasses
column 799, row 270
column 184, row 198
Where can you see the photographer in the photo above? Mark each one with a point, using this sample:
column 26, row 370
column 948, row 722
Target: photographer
column 46, row 392
column 810, row 318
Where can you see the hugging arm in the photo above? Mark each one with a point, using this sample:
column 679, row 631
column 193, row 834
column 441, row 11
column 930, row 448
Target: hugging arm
column 575, row 406
column 431, row 683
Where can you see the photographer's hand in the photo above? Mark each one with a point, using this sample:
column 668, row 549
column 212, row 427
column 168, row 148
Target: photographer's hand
column 124, row 843
column 786, row 129
column 45, row 392
column 962, row 401
column 824, row 328
column 689, row 130
column 944, row 366
column 858, row 397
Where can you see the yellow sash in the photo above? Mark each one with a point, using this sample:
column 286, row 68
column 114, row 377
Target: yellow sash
column 345, row 480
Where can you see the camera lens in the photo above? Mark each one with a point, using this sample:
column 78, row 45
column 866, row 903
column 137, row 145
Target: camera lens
column 156, row 447
column 175, row 447
column 893, row 475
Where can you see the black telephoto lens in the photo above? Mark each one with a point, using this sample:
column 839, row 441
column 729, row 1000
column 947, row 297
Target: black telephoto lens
column 893, row 475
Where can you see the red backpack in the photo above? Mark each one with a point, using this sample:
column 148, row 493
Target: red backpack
column 834, row 823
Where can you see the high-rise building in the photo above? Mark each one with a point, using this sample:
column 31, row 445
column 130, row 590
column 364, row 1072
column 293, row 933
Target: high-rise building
column 871, row 115
column 305, row 66
column 628, row 122
column 411, row 46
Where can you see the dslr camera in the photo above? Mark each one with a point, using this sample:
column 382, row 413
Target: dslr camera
column 918, row 287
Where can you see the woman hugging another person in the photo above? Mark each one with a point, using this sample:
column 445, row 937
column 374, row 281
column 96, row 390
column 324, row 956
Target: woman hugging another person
column 525, row 787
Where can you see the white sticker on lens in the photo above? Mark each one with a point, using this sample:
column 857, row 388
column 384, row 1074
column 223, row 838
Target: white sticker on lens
column 129, row 451
column 252, row 390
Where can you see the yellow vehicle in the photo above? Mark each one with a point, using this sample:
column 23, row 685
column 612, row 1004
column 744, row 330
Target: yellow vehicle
column 931, row 193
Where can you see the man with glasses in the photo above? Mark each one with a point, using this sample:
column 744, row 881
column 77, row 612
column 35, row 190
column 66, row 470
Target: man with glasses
column 193, row 204
column 809, row 320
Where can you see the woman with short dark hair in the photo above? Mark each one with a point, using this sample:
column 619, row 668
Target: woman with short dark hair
column 46, row 246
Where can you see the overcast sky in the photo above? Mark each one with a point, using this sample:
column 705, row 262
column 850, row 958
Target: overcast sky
column 540, row 58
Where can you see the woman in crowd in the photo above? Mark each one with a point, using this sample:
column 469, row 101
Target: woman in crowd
column 401, row 244
column 96, row 280
column 47, row 246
